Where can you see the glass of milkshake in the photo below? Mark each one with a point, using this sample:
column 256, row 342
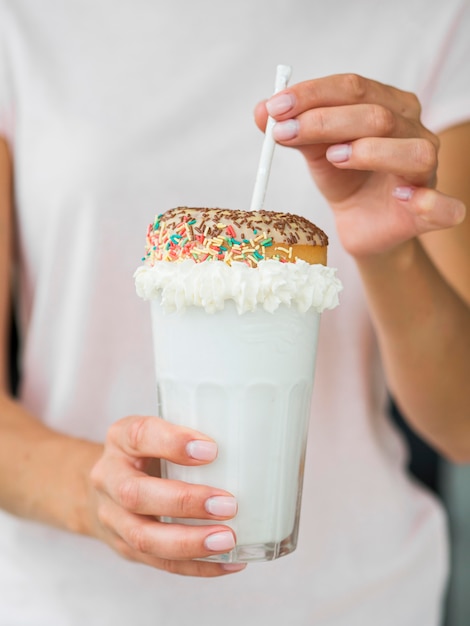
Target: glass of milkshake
column 236, row 298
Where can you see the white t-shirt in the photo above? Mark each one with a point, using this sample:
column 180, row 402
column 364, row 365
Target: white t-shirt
column 119, row 110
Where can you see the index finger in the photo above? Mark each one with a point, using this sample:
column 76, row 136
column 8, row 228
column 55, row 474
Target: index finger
column 340, row 90
column 152, row 437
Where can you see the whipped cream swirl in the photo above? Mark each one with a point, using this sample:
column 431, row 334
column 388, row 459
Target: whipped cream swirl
column 209, row 285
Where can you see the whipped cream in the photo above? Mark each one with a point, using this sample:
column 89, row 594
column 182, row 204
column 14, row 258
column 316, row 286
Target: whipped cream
column 210, row 285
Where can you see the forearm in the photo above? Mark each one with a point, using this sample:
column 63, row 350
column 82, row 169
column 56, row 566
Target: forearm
column 44, row 475
column 423, row 329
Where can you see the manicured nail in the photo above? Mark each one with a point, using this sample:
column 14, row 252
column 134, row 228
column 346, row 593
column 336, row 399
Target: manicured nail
column 459, row 212
column 339, row 153
column 403, row 193
column 221, row 506
column 283, row 131
column 279, row 104
column 201, row 450
column 220, row 542
column 233, row 567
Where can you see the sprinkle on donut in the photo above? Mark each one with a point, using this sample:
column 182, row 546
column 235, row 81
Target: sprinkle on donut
column 226, row 235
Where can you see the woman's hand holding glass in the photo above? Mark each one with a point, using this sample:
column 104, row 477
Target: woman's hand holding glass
column 130, row 497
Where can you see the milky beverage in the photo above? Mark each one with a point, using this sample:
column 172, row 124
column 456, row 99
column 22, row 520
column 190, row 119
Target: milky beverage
column 235, row 338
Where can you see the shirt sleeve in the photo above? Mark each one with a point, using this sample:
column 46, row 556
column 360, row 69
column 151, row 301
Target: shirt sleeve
column 446, row 98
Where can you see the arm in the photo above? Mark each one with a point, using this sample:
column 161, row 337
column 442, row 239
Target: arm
column 450, row 249
column 24, row 441
column 104, row 491
column 376, row 165
column 426, row 345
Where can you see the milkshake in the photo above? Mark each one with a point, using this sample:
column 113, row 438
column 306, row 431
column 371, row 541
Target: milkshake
column 235, row 300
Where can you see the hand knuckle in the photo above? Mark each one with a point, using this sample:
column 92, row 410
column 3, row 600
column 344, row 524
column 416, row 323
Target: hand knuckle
column 129, row 492
column 170, row 566
column 178, row 548
column 382, row 120
column 138, row 539
column 136, row 432
column 203, row 570
column 114, row 430
column 414, row 103
column 425, row 154
column 320, row 121
column 410, row 105
column 356, row 85
column 184, row 546
column 97, row 476
column 186, row 501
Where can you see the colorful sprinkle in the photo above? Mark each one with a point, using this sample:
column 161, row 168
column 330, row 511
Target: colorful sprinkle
column 226, row 236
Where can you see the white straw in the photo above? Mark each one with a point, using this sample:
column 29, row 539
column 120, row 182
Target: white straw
column 283, row 73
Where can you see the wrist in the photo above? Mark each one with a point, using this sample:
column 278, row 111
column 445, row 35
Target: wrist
column 400, row 286
column 400, row 258
column 80, row 517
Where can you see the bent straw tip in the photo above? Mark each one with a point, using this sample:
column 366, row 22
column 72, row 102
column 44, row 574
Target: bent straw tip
column 284, row 71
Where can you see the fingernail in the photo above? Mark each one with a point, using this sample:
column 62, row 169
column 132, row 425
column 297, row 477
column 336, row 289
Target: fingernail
column 201, row 450
column 233, row 567
column 221, row 506
column 283, row 131
column 339, row 153
column 220, row 542
column 459, row 212
column 279, row 104
column 403, row 193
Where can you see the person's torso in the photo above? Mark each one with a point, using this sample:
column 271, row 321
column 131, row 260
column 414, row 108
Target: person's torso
column 122, row 110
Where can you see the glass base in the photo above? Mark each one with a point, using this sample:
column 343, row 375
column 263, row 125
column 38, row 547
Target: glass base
column 255, row 552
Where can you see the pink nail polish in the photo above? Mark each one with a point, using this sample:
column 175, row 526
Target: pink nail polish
column 339, row 153
column 221, row 506
column 201, row 450
column 403, row 193
column 279, row 104
column 233, row 567
column 283, row 131
column 220, row 542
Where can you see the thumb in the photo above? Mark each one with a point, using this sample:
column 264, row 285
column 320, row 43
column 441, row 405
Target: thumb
column 261, row 115
column 431, row 209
